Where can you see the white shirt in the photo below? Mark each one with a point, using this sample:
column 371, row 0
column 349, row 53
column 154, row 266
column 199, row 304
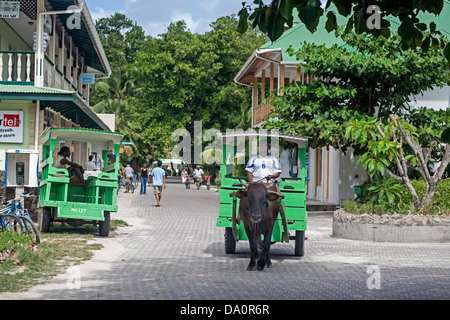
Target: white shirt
column 128, row 172
column 261, row 167
column 198, row 173
column 90, row 166
column 58, row 163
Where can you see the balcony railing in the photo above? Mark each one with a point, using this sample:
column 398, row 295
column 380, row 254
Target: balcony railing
column 17, row 66
column 261, row 113
column 55, row 78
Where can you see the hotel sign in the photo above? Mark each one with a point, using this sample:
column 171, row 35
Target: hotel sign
column 11, row 126
column 9, row 9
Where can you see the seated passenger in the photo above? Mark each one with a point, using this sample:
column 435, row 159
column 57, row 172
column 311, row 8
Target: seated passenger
column 90, row 165
column 75, row 170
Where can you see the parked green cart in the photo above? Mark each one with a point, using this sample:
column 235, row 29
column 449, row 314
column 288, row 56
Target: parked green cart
column 293, row 206
column 76, row 203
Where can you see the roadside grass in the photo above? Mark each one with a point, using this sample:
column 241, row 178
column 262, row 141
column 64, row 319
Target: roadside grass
column 61, row 248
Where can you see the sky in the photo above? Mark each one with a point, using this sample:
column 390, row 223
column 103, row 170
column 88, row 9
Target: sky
column 156, row 15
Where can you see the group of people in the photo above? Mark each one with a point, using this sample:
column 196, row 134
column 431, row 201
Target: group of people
column 197, row 174
column 155, row 176
column 262, row 167
column 76, row 171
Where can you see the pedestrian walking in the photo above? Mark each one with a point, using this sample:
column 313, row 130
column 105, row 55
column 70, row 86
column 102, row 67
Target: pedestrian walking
column 128, row 176
column 144, row 174
column 158, row 178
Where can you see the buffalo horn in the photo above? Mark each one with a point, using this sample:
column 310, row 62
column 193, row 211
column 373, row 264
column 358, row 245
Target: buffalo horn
column 273, row 185
column 278, row 194
column 243, row 183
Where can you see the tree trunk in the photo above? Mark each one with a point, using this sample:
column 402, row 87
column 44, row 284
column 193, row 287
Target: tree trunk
column 431, row 181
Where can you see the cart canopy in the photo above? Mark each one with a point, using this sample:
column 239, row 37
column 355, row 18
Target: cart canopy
column 228, row 138
column 103, row 139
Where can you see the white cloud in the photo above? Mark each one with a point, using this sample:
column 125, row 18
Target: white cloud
column 99, row 13
column 194, row 26
column 155, row 16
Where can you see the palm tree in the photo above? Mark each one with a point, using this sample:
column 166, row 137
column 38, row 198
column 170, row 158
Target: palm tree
column 246, row 118
column 119, row 86
column 126, row 119
column 118, row 92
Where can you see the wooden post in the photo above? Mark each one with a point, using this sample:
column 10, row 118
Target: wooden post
column 282, row 72
column 263, row 85
column 62, row 53
column 69, row 61
column 255, row 101
column 272, row 76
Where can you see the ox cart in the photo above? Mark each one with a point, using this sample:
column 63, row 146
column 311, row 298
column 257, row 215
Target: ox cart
column 293, row 214
column 60, row 198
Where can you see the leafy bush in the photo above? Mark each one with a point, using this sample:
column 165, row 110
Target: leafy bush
column 387, row 192
column 389, row 196
column 440, row 201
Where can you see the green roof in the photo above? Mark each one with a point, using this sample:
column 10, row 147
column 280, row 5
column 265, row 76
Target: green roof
column 26, row 92
column 299, row 34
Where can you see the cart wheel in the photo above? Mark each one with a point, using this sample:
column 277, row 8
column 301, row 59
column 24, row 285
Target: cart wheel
column 104, row 226
column 299, row 243
column 230, row 243
column 44, row 219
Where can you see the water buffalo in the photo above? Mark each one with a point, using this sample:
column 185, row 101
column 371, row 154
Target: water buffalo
column 258, row 210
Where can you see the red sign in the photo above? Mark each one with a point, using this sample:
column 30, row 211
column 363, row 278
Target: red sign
column 11, row 126
column 11, row 120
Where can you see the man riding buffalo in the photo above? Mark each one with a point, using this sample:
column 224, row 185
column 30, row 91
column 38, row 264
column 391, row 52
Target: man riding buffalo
column 263, row 167
column 259, row 207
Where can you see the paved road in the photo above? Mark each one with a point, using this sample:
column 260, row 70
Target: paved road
column 175, row 252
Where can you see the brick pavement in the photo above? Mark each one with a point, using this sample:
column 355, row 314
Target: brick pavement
column 175, row 252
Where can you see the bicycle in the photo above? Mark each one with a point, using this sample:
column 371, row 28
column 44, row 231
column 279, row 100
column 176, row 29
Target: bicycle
column 135, row 181
column 10, row 223
column 208, row 182
column 15, row 209
column 198, row 182
column 124, row 183
column 187, row 181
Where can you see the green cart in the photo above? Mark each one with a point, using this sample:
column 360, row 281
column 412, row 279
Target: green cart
column 77, row 204
column 293, row 216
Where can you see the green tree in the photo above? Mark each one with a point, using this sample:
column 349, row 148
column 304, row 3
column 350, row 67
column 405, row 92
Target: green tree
column 189, row 77
column 402, row 144
column 368, row 77
column 271, row 17
column 356, row 99
column 121, row 37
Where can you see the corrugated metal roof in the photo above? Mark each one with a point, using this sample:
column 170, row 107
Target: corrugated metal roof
column 12, row 88
column 85, row 38
column 68, row 103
